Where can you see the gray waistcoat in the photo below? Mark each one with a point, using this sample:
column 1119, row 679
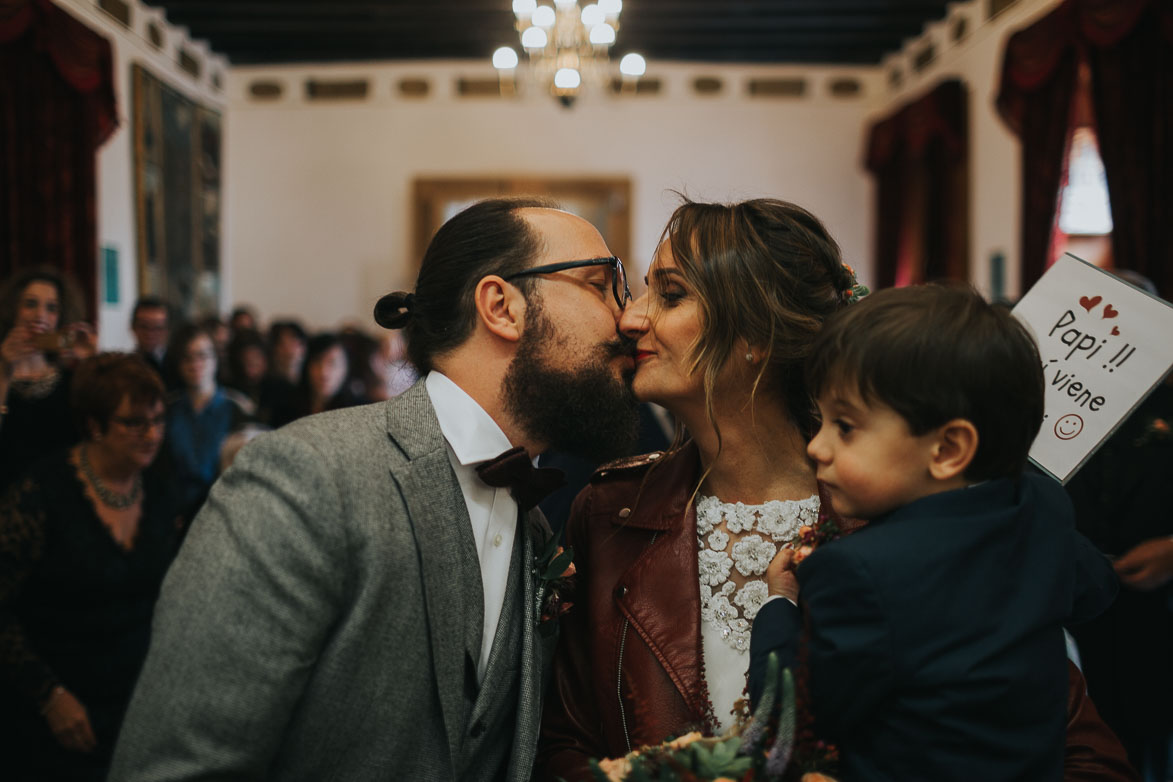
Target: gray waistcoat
column 491, row 711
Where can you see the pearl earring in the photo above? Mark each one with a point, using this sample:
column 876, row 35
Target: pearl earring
column 749, row 356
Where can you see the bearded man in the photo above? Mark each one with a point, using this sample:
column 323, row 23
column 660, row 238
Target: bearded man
column 357, row 600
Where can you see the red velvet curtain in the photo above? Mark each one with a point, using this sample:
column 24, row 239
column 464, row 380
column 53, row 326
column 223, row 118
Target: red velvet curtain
column 919, row 156
column 1126, row 44
column 56, row 108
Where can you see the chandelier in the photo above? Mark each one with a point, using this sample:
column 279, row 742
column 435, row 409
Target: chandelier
column 567, row 46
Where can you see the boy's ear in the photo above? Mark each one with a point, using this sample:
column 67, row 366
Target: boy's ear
column 953, row 449
column 500, row 307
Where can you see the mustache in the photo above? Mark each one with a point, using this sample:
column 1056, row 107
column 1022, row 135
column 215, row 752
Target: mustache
column 622, row 345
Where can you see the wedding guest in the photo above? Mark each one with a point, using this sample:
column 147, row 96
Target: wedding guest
column 672, row 548
column 930, row 399
column 85, row 538
column 150, row 324
column 199, row 418
column 1121, row 498
column 393, row 367
column 248, row 361
column 221, row 336
column 243, row 318
column 323, row 382
column 40, row 337
column 287, row 343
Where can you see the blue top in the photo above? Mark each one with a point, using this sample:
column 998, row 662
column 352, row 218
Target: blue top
column 193, row 443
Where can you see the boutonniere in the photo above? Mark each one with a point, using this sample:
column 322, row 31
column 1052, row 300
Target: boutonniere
column 1157, row 431
column 553, row 568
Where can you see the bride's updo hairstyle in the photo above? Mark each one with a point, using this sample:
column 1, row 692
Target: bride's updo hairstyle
column 766, row 273
column 488, row 237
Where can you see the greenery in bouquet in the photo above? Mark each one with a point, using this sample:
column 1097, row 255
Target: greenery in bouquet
column 765, row 749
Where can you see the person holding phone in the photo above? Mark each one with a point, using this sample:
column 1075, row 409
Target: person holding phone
column 36, row 351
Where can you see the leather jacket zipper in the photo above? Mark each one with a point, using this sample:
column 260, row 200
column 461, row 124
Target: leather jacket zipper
column 619, row 677
column 619, row 684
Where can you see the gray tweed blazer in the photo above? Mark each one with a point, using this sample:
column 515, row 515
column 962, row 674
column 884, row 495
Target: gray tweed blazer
column 312, row 627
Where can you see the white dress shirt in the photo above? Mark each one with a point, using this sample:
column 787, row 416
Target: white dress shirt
column 472, row 437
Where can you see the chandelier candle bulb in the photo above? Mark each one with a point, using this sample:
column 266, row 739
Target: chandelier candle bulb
column 633, row 65
column 543, row 16
column 504, row 59
column 592, row 15
column 534, row 39
column 567, row 79
column 603, row 35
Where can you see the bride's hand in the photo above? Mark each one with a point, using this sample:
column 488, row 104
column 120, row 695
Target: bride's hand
column 780, row 576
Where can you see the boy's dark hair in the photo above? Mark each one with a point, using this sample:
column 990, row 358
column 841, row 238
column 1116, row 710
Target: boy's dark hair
column 934, row 353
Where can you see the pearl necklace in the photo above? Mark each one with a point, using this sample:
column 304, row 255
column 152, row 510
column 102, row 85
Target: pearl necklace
column 108, row 496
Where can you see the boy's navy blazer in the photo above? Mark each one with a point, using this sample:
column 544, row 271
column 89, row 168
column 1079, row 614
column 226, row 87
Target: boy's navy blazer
column 935, row 649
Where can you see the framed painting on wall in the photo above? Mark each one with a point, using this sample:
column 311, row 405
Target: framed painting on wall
column 177, row 197
column 604, row 202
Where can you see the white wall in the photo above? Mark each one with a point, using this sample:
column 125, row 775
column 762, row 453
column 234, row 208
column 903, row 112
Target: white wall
column 116, row 219
column 995, row 203
column 318, row 195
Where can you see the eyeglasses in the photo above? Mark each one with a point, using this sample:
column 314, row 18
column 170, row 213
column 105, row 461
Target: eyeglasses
column 618, row 275
column 137, row 424
column 198, row 355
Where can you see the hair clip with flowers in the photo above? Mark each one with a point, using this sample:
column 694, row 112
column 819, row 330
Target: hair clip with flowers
column 857, row 290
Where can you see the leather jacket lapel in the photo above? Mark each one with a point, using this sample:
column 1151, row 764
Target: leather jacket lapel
column 668, row 620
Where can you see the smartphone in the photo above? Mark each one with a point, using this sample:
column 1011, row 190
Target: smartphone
column 53, row 341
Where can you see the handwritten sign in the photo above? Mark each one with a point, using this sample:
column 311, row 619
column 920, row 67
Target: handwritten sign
column 1104, row 344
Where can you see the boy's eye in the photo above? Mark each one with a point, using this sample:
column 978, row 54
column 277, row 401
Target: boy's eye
column 842, row 426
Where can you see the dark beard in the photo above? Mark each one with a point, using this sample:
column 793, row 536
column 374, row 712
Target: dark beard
column 586, row 411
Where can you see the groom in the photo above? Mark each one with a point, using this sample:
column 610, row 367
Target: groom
column 356, row 601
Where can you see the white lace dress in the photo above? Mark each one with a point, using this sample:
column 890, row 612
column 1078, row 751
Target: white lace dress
column 736, row 544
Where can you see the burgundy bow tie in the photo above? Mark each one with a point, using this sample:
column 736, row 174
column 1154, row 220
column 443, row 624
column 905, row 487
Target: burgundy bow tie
column 529, row 485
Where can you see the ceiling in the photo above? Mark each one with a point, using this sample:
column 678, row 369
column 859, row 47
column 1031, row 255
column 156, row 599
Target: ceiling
column 748, row 31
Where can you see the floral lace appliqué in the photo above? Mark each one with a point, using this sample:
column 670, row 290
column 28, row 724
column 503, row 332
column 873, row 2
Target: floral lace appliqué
column 742, row 538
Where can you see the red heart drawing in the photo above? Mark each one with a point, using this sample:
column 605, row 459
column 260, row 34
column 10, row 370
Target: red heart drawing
column 1090, row 304
column 1109, row 312
column 1115, row 332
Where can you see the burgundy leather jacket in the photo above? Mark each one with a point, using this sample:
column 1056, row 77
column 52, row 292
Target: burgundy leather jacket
column 628, row 670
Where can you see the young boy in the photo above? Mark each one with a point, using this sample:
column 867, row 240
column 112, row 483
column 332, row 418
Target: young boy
column 935, row 645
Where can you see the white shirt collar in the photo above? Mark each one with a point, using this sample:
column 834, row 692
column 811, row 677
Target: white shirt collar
column 472, row 433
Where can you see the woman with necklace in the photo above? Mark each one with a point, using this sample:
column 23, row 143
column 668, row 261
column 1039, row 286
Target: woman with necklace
column 86, row 536
column 34, row 380
column 671, row 549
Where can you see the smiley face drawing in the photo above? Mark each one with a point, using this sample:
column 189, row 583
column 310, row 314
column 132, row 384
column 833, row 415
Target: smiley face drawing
column 1068, row 426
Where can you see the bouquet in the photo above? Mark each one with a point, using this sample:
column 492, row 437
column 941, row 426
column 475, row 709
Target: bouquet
column 762, row 749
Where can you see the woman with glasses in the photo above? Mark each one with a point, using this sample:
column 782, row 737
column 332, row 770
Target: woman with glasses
column 671, row 548
column 85, row 538
column 36, row 350
column 199, row 417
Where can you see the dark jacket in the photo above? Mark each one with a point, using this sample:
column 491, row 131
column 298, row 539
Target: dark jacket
column 936, row 634
column 635, row 629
